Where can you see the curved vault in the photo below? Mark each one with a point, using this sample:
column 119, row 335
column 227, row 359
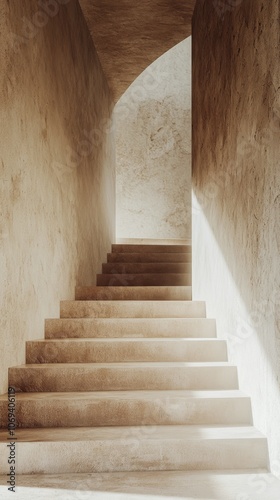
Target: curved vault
column 129, row 36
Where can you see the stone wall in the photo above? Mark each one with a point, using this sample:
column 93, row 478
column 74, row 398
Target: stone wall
column 57, row 198
column 153, row 145
column 236, row 192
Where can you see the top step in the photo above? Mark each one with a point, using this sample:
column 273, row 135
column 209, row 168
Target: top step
column 154, row 241
column 126, row 248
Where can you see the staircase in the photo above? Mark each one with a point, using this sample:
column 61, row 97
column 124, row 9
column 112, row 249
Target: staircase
column 132, row 378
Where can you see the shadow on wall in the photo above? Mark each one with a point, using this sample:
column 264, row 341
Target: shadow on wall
column 153, row 147
column 236, row 185
column 54, row 227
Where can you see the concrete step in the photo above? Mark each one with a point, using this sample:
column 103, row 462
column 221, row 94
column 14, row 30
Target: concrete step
column 125, row 350
column 72, row 377
column 133, row 293
column 95, row 409
column 105, row 449
column 154, row 241
column 148, row 485
column 156, row 279
column 149, row 257
column 130, row 327
column 127, row 248
column 132, row 309
column 147, row 268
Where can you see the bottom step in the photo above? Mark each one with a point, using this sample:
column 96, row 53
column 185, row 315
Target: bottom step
column 145, row 448
column 210, row 485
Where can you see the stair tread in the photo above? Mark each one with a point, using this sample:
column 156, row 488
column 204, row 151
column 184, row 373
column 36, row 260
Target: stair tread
column 136, row 288
column 140, row 287
column 149, row 252
column 149, row 257
column 128, row 320
column 124, row 247
column 146, row 279
column 92, row 376
column 110, row 275
column 147, row 268
column 153, row 241
column 123, row 349
column 93, row 327
column 130, row 303
column 132, row 309
column 164, row 432
column 128, row 395
column 148, row 485
column 147, row 265
column 135, row 293
column 129, row 364
column 131, row 339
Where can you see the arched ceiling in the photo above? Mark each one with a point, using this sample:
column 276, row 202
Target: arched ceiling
column 130, row 35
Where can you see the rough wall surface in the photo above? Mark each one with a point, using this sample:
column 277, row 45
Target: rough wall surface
column 129, row 36
column 153, row 146
column 57, row 191
column 236, row 182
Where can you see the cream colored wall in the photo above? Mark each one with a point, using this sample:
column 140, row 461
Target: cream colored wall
column 236, row 200
column 129, row 36
column 57, row 217
column 153, row 146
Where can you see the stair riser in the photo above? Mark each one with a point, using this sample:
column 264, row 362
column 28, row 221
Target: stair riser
column 136, row 412
column 130, row 309
column 154, row 241
column 126, row 248
column 129, row 328
column 66, row 378
column 133, row 454
column 149, row 257
column 132, row 404
column 144, row 279
column 133, row 293
column 113, row 351
column 140, row 268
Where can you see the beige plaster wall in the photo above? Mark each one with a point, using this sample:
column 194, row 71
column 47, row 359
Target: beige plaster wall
column 129, row 36
column 57, row 191
column 153, row 146
column 236, row 199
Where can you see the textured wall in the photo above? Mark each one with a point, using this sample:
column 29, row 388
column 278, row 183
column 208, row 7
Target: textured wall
column 129, row 36
column 153, row 144
column 57, row 191
column 236, row 177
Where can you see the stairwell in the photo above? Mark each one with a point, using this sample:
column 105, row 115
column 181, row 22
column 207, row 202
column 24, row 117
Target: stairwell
column 132, row 378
